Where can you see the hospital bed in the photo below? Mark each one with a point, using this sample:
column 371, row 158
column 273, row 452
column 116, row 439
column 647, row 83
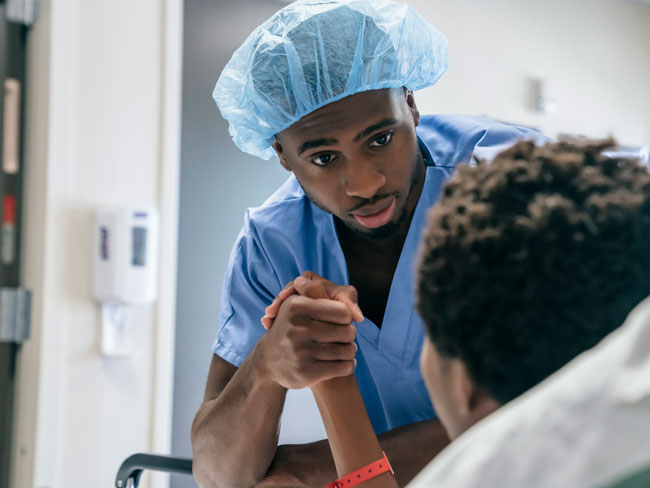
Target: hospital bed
column 128, row 476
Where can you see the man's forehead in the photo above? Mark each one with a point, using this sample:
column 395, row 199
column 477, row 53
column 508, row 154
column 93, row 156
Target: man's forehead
column 354, row 112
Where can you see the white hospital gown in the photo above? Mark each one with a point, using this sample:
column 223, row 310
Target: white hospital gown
column 586, row 425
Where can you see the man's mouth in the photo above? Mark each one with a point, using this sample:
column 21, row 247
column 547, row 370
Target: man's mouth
column 376, row 215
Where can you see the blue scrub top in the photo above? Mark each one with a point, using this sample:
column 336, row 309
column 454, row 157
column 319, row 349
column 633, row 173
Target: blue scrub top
column 288, row 235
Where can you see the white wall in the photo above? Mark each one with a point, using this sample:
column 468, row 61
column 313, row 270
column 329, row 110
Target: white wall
column 594, row 56
column 100, row 130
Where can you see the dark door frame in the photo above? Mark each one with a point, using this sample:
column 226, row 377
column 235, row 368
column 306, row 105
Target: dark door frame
column 13, row 48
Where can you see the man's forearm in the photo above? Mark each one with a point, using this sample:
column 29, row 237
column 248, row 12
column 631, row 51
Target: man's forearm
column 234, row 436
column 409, row 448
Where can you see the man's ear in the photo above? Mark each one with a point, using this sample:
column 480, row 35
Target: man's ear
column 410, row 101
column 279, row 150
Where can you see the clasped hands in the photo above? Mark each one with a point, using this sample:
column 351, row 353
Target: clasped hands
column 310, row 334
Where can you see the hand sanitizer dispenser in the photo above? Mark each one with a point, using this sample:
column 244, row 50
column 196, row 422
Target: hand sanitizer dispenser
column 125, row 258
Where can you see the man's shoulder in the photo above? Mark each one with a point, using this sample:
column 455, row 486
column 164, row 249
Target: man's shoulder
column 456, row 138
column 287, row 210
column 284, row 236
column 288, row 197
column 455, row 125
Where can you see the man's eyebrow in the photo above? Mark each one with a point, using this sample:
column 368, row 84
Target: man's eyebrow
column 331, row 142
column 375, row 127
column 316, row 143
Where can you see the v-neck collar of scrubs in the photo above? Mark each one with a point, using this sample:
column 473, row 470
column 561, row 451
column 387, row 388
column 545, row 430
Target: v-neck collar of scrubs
column 390, row 340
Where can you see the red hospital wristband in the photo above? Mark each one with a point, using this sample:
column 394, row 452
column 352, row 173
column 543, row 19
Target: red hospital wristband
column 363, row 474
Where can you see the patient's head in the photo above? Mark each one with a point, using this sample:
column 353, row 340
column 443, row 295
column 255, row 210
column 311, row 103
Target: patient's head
column 526, row 263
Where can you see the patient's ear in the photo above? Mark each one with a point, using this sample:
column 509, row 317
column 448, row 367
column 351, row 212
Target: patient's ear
column 473, row 402
column 458, row 402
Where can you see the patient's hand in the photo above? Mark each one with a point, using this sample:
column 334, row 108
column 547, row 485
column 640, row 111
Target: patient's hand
column 311, row 285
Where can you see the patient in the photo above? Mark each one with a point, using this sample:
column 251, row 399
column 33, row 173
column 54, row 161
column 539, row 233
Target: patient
column 527, row 262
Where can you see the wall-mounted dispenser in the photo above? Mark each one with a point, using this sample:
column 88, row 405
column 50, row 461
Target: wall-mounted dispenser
column 125, row 255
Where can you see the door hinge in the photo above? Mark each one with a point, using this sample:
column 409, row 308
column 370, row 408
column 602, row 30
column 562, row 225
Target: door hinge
column 23, row 11
column 15, row 314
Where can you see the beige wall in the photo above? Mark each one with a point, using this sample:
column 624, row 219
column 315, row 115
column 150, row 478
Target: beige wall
column 95, row 136
column 594, row 56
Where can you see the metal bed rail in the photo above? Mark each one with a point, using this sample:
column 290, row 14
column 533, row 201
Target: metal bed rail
column 128, row 476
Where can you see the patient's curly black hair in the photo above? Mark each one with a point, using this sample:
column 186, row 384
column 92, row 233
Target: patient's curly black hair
column 534, row 258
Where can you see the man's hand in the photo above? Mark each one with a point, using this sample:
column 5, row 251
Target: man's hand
column 235, row 432
column 301, row 466
column 312, row 337
column 311, row 285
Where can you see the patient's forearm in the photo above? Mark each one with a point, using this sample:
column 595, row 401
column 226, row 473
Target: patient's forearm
column 351, row 437
column 409, row 448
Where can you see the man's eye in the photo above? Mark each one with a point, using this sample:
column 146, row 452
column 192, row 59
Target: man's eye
column 322, row 159
column 382, row 140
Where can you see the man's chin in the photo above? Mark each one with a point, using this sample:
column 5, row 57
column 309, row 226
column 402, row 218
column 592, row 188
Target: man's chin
column 380, row 233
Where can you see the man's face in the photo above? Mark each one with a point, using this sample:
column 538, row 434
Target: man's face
column 358, row 159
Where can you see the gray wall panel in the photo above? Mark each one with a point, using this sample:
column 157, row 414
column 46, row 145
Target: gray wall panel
column 218, row 183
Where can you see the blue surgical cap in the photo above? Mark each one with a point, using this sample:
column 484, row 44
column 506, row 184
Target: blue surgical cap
column 314, row 52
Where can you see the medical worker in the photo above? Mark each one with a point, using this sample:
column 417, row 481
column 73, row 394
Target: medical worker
column 328, row 88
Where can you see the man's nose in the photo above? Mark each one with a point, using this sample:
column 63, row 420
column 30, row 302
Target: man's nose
column 363, row 178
